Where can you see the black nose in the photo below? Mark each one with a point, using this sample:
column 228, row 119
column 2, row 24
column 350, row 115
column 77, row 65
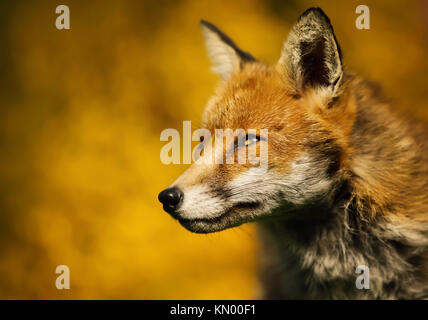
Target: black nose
column 171, row 199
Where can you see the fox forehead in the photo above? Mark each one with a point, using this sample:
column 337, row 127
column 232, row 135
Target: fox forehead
column 255, row 98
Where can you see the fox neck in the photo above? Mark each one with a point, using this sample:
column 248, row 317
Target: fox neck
column 367, row 223
column 320, row 257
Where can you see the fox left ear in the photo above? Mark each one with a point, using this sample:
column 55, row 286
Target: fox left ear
column 311, row 56
column 225, row 55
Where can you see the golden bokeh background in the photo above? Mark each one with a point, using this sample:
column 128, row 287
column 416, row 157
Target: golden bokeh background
column 81, row 113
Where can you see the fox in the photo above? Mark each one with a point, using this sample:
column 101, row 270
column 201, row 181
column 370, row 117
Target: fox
column 346, row 182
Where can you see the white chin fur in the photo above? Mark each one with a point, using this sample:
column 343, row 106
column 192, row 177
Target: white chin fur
column 200, row 203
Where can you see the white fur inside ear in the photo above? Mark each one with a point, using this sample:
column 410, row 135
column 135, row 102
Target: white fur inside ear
column 224, row 58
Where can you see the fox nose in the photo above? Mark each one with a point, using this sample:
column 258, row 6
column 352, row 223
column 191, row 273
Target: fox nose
column 171, row 199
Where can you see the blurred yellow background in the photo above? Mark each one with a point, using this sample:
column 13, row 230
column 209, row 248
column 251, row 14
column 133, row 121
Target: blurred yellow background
column 81, row 113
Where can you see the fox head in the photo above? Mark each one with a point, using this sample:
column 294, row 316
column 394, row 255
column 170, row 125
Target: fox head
column 305, row 106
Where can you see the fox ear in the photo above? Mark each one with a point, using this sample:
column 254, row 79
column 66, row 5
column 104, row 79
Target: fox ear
column 225, row 55
column 311, row 56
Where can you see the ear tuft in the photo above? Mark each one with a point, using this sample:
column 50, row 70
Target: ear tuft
column 311, row 56
column 225, row 55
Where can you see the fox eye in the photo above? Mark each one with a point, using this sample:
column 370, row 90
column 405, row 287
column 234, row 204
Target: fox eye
column 198, row 151
column 200, row 145
column 249, row 140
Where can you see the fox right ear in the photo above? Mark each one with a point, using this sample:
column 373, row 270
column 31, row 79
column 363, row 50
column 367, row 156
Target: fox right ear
column 311, row 56
column 225, row 55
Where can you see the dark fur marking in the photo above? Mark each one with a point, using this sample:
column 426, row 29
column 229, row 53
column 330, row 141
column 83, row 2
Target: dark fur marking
column 327, row 150
column 312, row 63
